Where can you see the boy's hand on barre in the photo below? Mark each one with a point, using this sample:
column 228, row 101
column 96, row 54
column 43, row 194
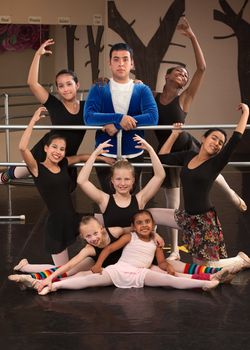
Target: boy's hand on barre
column 110, row 129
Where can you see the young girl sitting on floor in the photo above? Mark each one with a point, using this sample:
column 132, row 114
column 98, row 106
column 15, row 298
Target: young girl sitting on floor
column 133, row 268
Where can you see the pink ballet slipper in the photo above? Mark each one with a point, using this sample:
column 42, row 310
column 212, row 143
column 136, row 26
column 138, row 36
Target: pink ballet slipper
column 241, row 204
column 26, row 281
column 223, row 276
column 20, row 265
column 46, row 290
column 209, row 285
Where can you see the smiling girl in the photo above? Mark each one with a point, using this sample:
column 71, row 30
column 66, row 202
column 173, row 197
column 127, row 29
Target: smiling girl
column 118, row 209
column 199, row 223
column 53, row 182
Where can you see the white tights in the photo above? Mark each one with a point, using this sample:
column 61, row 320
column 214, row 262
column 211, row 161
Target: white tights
column 158, row 279
column 84, row 265
column 152, row 279
column 21, row 172
column 172, row 196
column 81, row 281
column 60, row 258
column 219, row 263
column 164, row 216
column 232, row 195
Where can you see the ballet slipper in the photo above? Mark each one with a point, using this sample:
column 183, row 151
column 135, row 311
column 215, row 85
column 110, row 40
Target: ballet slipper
column 14, row 279
column 46, row 290
column 25, row 281
column 20, row 265
column 209, row 285
column 241, row 204
column 245, row 260
column 223, row 276
column 174, row 256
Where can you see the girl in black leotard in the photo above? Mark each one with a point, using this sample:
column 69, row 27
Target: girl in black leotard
column 118, row 209
column 52, row 180
column 199, row 222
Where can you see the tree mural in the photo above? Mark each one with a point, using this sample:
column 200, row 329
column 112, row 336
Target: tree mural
column 241, row 30
column 70, row 38
column 94, row 49
column 148, row 58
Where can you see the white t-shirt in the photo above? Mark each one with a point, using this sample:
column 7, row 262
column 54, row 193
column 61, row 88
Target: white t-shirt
column 121, row 95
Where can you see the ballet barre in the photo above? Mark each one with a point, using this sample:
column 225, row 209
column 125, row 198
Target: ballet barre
column 89, row 127
column 13, row 217
column 8, row 128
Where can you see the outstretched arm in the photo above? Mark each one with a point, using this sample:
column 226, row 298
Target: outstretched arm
column 167, row 146
column 98, row 196
column 78, row 158
column 243, row 119
column 155, row 182
column 120, row 243
column 24, row 142
column 37, row 89
column 188, row 94
column 117, row 231
column 87, row 251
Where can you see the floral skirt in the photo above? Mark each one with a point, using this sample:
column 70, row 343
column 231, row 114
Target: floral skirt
column 202, row 234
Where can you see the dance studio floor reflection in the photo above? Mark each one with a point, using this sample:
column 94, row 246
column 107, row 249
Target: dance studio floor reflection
column 111, row 318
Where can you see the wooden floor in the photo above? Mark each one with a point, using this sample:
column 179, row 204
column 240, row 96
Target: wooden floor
column 112, row 318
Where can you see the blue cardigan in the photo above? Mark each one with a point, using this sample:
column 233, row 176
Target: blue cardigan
column 99, row 110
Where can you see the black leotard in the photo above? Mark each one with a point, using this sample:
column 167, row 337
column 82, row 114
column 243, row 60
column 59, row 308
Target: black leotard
column 62, row 225
column 113, row 257
column 197, row 182
column 117, row 216
column 168, row 115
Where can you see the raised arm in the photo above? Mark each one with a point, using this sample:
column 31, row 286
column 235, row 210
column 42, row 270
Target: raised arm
column 37, row 89
column 167, row 146
column 78, row 158
column 24, row 142
column 98, row 196
column 243, row 118
column 155, row 182
column 188, row 94
column 120, row 243
column 87, row 251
